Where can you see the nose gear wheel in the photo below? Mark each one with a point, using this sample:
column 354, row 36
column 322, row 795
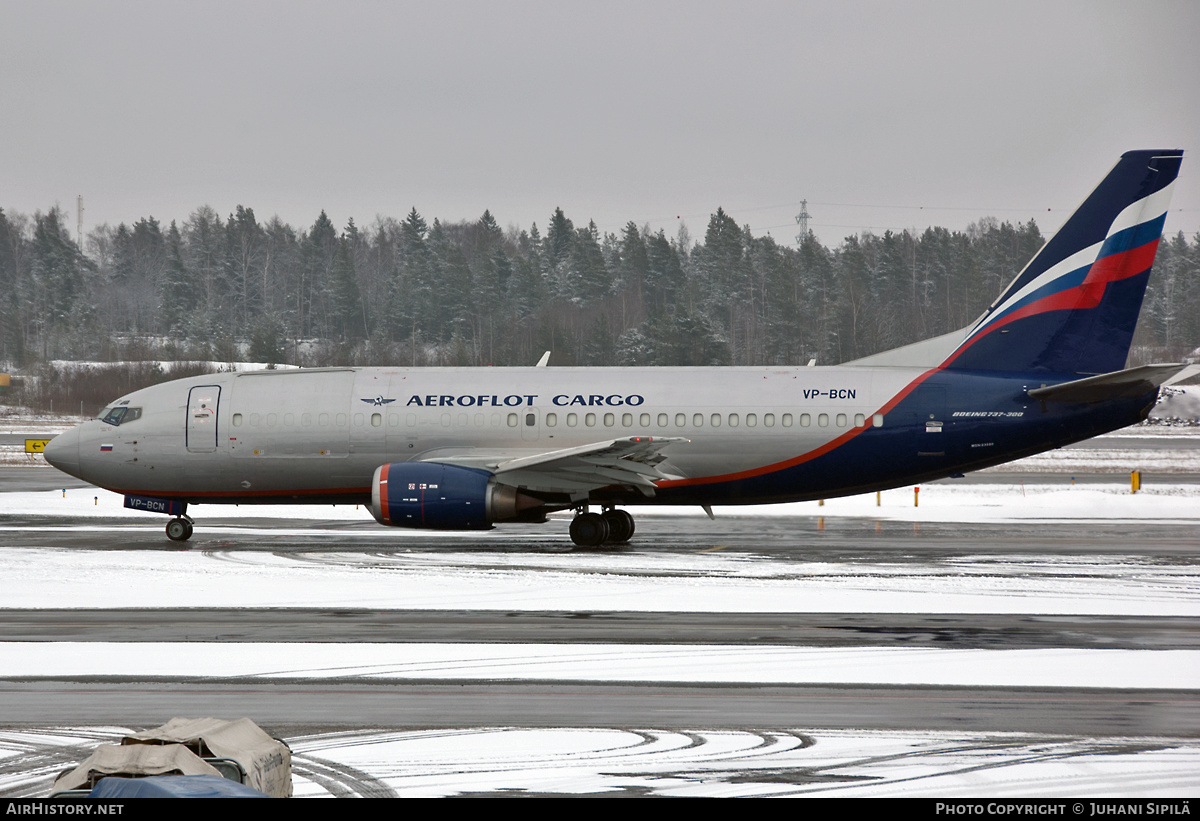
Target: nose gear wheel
column 179, row 529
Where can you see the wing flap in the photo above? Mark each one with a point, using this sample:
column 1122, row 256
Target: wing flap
column 633, row 461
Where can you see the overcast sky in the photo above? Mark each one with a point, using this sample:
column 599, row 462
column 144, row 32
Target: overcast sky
column 880, row 114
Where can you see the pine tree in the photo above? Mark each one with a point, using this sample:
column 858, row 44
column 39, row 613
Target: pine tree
column 318, row 250
column 177, row 290
column 12, row 348
column 204, row 256
column 56, row 276
column 591, row 276
column 245, row 253
column 345, row 302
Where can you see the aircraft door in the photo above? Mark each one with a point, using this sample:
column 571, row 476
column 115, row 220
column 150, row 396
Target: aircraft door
column 200, row 433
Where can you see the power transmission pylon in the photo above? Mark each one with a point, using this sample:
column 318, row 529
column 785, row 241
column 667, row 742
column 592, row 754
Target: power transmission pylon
column 802, row 221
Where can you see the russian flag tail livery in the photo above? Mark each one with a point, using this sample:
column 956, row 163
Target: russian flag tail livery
column 1073, row 309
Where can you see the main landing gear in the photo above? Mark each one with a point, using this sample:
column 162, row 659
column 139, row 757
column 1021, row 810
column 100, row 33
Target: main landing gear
column 179, row 529
column 610, row 527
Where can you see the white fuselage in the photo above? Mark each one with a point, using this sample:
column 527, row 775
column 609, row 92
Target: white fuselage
column 307, row 432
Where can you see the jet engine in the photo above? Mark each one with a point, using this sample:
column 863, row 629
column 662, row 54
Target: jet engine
column 445, row 497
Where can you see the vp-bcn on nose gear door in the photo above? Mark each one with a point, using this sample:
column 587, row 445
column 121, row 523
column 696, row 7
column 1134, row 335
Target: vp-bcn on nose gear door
column 201, row 430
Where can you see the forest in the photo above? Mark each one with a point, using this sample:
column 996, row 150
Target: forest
column 410, row 292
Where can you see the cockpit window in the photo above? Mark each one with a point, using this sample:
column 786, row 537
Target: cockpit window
column 120, row 416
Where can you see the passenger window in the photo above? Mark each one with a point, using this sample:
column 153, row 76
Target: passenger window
column 609, row 420
column 662, row 420
column 590, row 420
column 715, row 420
column 272, row 419
column 512, row 420
column 644, row 420
column 769, row 420
column 551, row 420
column 841, row 420
column 787, row 420
column 751, row 420
column 376, row 420
column 877, row 420
column 530, row 420
column 805, row 420
column 627, row 420
column 237, row 420
column 860, row 421
column 680, row 420
column 572, row 420
column 698, row 420
column 823, row 420
column 733, row 420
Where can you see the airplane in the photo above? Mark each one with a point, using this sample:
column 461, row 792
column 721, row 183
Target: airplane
column 466, row 448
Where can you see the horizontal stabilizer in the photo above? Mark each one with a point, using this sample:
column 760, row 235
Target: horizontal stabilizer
column 1115, row 385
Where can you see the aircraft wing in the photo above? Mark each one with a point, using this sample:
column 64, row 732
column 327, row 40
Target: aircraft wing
column 635, row 461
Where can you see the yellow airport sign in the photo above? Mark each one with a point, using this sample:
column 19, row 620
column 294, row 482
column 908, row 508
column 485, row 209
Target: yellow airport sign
column 36, row 445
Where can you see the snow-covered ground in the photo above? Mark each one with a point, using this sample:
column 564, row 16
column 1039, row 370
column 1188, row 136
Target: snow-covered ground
column 730, row 764
column 712, row 763
column 410, row 575
column 781, row 761
column 654, row 663
column 1054, row 499
column 784, row 761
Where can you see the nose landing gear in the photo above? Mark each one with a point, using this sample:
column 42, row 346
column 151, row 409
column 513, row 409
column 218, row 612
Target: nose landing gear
column 610, row 527
column 179, row 529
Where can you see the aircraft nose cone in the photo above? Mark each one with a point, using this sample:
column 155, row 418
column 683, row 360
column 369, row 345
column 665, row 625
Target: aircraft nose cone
column 63, row 452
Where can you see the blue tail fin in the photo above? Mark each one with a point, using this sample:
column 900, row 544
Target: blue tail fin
column 1074, row 308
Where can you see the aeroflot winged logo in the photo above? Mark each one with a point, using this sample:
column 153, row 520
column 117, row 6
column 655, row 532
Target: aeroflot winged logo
column 378, row 401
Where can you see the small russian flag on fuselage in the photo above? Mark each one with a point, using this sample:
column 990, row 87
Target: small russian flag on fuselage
column 105, row 448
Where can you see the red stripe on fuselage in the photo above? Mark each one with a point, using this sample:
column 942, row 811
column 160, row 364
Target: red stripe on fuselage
column 241, row 494
column 804, row 457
